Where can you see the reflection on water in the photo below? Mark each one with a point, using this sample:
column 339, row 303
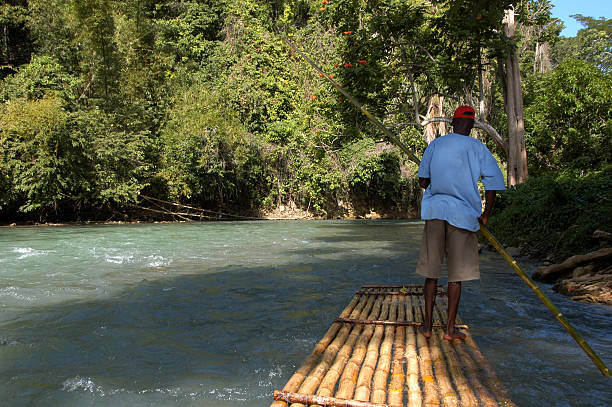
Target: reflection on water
column 220, row 314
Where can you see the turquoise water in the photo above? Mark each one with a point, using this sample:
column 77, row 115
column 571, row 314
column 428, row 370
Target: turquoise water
column 220, row 314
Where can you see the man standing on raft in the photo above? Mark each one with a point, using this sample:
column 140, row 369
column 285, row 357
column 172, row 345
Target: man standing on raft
column 451, row 207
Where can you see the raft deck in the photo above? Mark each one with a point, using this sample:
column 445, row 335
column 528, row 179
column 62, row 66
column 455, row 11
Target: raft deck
column 372, row 355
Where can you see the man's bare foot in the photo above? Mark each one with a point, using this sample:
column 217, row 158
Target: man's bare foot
column 425, row 333
column 455, row 336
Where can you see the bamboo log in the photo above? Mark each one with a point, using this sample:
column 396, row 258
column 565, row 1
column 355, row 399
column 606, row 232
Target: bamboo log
column 467, row 390
column 363, row 388
column 309, row 399
column 479, row 362
column 329, row 381
column 447, row 393
column 348, row 380
column 314, row 378
column 357, row 303
column 379, row 394
column 412, row 361
column 493, row 384
column 425, row 366
column 396, row 384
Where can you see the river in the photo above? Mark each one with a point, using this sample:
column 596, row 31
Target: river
column 222, row 313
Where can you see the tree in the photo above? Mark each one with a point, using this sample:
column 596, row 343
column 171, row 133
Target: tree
column 95, row 28
column 517, row 153
column 593, row 43
column 15, row 42
column 569, row 119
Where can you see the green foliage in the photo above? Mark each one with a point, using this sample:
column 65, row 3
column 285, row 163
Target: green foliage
column 37, row 147
column 188, row 30
column 556, row 217
column 568, row 119
column 376, row 183
column 42, row 76
column 207, row 155
column 114, row 159
column 202, row 102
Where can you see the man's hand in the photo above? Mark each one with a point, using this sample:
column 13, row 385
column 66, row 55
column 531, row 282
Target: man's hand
column 483, row 219
column 486, row 214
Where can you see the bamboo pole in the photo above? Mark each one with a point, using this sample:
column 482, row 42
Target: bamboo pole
column 412, row 361
column 298, row 377
column 570, row 329
column 348, row 380
column 312, row 381
column 379, row 394
column 425, row 365
column 549, row 304
column 331, row 378
column 396, row 384
column 309, row 399
column 363, row 387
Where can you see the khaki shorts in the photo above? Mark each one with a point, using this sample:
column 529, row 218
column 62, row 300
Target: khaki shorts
column 459, row 246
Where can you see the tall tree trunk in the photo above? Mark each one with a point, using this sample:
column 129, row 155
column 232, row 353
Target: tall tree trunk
column 517, row 154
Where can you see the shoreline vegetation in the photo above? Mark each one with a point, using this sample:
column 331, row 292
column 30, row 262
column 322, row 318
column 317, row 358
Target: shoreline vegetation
column 123, row 111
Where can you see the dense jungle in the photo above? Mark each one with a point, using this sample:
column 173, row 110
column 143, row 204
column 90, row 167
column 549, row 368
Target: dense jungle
column 117, row 110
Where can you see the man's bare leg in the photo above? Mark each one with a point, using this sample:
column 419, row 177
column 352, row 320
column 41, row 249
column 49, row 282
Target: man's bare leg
column 454, row 294
column 429, row 294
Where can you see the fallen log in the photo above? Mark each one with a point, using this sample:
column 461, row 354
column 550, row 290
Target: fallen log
column 554, row 272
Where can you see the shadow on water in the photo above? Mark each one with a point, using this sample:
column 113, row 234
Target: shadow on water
column 227, row 337
column 232, row 335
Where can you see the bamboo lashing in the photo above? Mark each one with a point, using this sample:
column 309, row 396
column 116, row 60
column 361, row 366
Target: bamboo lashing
column 485, row 232
column 394, row 323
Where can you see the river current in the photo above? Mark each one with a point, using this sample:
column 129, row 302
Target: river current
column 223, row 313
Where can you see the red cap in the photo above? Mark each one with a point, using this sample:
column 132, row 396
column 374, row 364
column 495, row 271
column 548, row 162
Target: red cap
column 465, row 112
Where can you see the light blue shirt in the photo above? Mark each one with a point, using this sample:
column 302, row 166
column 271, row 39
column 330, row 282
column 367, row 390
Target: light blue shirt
column 455, row 163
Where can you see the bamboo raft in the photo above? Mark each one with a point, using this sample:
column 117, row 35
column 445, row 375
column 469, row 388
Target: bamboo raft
column 373, row 356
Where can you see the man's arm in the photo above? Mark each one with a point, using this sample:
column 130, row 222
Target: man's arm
column 486, row 214
column 424, row 182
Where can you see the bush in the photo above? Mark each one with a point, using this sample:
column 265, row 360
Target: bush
column 548, row 216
